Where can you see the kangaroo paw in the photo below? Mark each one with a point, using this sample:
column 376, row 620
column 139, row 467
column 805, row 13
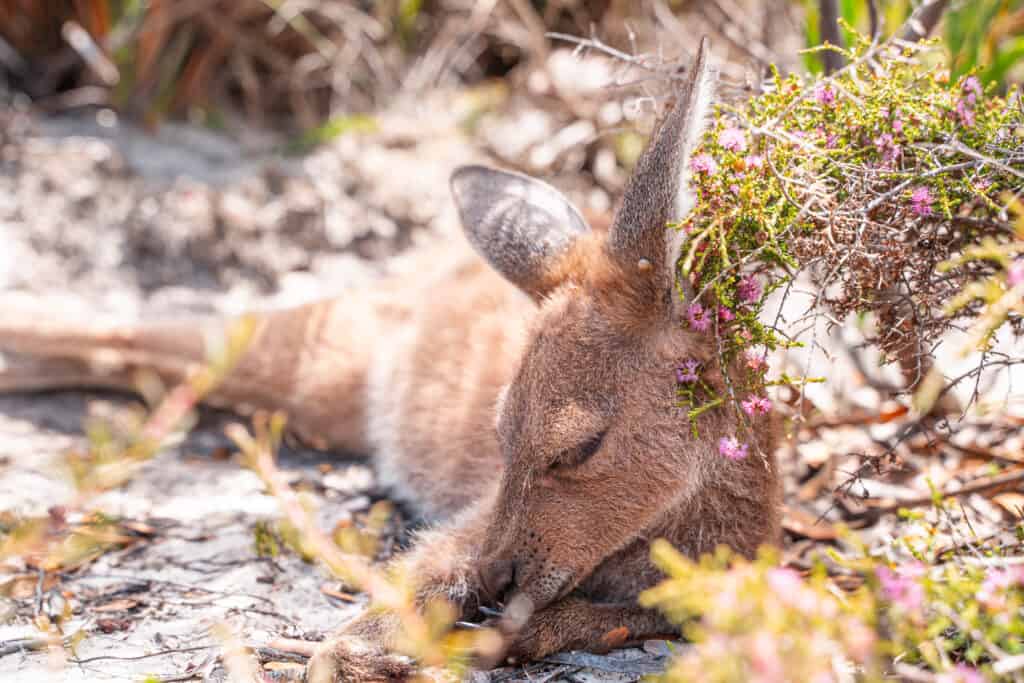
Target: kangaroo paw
column 578, row 624
column 351, row 658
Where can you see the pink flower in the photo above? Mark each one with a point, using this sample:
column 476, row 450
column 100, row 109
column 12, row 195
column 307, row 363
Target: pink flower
column 698, row 317
column 755, row 361
column 961, row 673
column 731, row 448
column 784, row 581
column 704, row 163
column 749, row 289
column 921, row 201
column 886, row 146
column 687, row 372
column 825, row 94
column 1015, row 273
column 996, row 582
column 725, row 315
column 733, row 139
column 756, row 405
column 753, row 161
column 897, row 126
column 971, row 89
column 765, row 657
column 792, row 591
column 972, row 86
column 965, row 112
column 901, row 586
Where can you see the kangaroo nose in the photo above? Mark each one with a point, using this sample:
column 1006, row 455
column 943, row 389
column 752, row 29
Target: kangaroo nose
column 496, row 578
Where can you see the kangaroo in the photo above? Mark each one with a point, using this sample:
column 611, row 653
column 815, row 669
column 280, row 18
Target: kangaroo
column 524, row 402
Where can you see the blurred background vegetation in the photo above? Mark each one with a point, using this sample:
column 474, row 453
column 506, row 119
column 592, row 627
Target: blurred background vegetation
column 300, row 64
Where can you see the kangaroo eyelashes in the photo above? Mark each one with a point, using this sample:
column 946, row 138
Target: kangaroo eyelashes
column 576, row 456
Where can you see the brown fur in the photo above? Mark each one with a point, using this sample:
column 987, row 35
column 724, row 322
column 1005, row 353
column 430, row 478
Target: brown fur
column 477, row 400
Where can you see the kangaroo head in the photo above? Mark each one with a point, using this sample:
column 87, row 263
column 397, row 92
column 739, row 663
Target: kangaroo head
column 595, row 448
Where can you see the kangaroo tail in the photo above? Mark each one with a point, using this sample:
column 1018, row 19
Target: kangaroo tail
column 310, row 361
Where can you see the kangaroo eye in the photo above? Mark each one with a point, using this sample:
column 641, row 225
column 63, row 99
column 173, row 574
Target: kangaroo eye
column 576, row 456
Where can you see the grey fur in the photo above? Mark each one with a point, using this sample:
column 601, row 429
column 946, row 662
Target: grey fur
column 518, row 224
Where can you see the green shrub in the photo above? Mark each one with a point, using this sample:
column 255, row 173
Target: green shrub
column 889, row 184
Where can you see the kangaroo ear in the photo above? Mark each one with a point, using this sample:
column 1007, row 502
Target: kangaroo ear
column 520, row 225
column 658, row 191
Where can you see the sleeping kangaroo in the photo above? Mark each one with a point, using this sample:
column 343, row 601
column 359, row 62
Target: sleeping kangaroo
column 526, row 403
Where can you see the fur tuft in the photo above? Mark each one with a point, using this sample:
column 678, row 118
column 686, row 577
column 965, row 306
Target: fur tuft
column 701, row 97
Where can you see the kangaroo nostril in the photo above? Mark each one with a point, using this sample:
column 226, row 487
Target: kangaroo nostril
column 496, row 578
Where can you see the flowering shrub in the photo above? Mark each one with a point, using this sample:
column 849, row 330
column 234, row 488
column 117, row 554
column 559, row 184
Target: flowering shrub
column 755, row 621
column 887, row 183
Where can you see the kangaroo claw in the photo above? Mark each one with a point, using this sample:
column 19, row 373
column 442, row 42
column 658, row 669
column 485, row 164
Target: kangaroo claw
column 490, row 612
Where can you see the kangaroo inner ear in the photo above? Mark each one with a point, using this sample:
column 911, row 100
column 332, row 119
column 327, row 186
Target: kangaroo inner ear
column 520, row 225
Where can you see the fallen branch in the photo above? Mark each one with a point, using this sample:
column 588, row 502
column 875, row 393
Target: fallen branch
column 977, row 486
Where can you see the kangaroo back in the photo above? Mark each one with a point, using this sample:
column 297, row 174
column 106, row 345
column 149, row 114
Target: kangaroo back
column 310, row 361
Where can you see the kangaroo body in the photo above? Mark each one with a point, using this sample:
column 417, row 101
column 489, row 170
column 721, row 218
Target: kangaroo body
column 525, row 402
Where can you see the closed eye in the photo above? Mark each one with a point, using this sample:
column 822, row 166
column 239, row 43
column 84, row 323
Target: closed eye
column 577, row 455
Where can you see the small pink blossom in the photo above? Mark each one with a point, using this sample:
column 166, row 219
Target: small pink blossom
column 901, row 586
column 755, row 361
column 687, row 372
column 792, row 591
column 965, row 112
column 731, row 448
column 704, row 163
column 971, row 89
column 961, row 673
column 996, row 582
column 825, row 94
column 972, row 86
column 859, row 638
column 784, row 581
column 831, row 139
column 756, row 405
column 897, row 126
column 753, row 161
column 886, row 146
column 725, row 315
column 698, row 317
column 749, row 289
column 1015, row 273
column 921, row 201
column 765, row 659
column 733, row 139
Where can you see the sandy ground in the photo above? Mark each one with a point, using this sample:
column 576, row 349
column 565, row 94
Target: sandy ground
column 100, row 218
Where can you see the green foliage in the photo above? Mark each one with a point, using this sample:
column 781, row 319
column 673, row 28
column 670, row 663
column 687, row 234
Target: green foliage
column 333, row 129
column 887, row 173
column 981, row 36
column 1000, row 294
column 986, row 36
column 753, row 621
column 871, row 178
